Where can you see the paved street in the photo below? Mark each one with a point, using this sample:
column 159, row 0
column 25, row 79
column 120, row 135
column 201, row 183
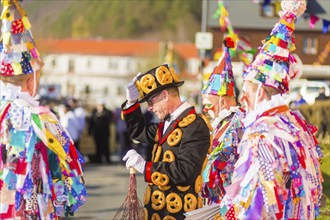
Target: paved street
column 107, row 187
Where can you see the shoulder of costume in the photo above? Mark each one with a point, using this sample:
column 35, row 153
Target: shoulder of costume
column 127, row 110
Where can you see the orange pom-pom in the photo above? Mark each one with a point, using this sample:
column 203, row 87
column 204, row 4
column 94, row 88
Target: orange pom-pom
column 229, row 42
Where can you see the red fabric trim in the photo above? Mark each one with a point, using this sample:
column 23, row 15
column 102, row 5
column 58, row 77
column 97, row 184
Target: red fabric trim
column 160, row 130
column 4, row 113
column 275, row 110
column 131, row 109
column 147, row 176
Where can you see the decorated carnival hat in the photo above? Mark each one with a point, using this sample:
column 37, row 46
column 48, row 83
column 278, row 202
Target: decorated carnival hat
column 221, row 81
column 155, row 80
column 273, row 66
column 19, row 54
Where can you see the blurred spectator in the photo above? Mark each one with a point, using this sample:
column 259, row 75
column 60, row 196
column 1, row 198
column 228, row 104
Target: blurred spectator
column 68, row 121
column 322, row 95
column 323, row 127
column 99, row 128
column 79, row 117
column 122, row 135
column 298, row 102
column 147, row 148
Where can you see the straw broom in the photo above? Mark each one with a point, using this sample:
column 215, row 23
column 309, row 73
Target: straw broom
column 132, row 208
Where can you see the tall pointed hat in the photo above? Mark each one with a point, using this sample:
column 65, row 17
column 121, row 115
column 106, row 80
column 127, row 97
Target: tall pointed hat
column 19, row 54
column 274, row 64
column 221, row 81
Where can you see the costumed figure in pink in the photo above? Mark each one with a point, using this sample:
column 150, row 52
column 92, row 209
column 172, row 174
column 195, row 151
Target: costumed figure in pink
column 219, row 100
column 277, row 175
column 40, row 169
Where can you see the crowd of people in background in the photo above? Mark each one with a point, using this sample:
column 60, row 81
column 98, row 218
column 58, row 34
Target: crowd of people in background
column 95, row 122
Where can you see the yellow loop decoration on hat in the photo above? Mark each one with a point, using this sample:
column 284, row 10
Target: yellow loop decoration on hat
column 190, row 202
column 159, row 179
column 187, row 120
column 174, row 75
column 173, row 203
column 138, row 86
column 157, row 200
column 163, row 75
column 148, row 83
column 175, row 137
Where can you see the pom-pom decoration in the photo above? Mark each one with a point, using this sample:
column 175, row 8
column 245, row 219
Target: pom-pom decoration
column 296, row 7
column 229, row 42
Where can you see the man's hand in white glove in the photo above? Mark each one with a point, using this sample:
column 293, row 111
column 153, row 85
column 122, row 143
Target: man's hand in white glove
column 132, row 93
column 133, row 159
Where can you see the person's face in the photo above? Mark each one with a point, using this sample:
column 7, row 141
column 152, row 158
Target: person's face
column 158, row 104
column 211, row 105
column 99, row 107
column 31, row 86
column 249, row 96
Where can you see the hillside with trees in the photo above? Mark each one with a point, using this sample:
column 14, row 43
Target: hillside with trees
column 176, row 20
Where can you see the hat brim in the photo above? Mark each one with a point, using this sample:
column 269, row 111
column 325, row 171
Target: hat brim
column 160, row 88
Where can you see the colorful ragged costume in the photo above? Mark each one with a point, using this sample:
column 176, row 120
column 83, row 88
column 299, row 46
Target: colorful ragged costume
column 277, row 175
column 227, row 130
column 40, row 169
column 218, row 171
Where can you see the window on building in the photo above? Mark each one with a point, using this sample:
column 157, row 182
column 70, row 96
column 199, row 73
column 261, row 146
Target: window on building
column 89, row 63
column 129, row 65
column 113, row 64
column 267, row 10
column 120, row 90
column 53, row 62
column 310, row 45
column 71, row 66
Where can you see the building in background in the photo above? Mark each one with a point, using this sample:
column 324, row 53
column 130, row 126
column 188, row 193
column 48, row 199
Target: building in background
column 93, row 69
column 254, row 21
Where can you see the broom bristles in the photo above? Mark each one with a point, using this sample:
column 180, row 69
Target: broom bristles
column 132, row 207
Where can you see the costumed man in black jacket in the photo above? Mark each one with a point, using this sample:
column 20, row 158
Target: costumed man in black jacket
column 181, row 140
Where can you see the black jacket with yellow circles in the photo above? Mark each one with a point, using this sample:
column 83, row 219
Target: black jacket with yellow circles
column 174, row 174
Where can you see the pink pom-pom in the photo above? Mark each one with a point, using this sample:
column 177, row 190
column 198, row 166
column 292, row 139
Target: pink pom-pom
column 296, row 7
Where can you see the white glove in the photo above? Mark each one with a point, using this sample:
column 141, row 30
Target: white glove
column 133, row 159
column 132, row 93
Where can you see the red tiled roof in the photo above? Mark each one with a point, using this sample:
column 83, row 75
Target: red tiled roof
column 186, row 50
column 112, row 47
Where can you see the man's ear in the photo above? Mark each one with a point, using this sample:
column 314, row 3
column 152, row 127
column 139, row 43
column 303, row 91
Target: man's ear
column 30, row 84
column 166, row 94
column 262, row 94
column 222, row 103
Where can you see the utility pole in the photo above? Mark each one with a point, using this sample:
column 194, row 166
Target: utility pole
column 203, row 42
